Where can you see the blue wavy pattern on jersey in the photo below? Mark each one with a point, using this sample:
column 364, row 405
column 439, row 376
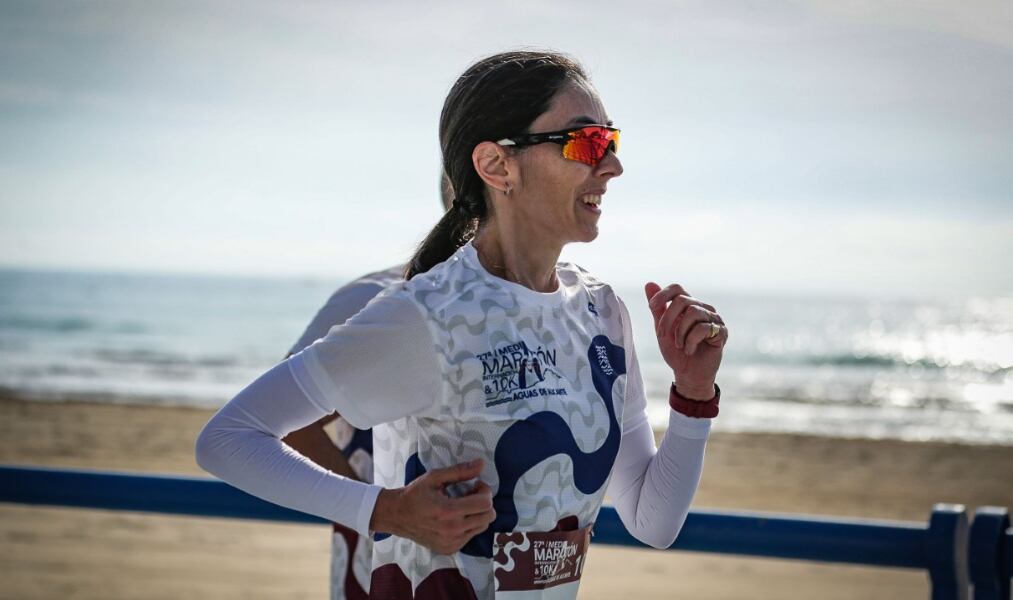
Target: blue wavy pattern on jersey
column 527, row 443
column 413, row 470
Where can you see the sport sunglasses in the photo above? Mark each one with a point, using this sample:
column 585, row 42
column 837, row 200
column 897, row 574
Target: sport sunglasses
column 587, row 144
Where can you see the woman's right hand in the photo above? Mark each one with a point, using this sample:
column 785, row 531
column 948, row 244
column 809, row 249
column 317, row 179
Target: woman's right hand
column 425, row 513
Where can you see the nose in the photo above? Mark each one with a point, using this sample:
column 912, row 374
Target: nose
column 610, row 166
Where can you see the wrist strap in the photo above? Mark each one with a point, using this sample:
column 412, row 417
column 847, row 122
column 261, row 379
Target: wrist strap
column 695, row 408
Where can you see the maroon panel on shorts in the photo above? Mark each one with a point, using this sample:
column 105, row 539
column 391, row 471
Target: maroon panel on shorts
column 390, row 583
column 353, row 591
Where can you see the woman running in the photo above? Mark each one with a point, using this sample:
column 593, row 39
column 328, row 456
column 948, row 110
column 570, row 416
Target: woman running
column 493, row 352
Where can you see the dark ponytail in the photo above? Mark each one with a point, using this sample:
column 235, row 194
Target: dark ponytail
column 497, row 97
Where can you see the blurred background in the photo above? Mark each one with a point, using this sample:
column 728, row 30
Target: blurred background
column 183, row 184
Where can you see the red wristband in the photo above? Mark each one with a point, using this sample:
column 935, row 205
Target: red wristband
column 695, row 408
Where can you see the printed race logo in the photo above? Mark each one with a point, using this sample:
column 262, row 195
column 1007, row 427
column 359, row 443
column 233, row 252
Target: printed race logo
column 515, row 372
column 525, row 561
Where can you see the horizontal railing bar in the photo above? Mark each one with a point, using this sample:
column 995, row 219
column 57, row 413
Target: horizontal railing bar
column 172, row 494
column 854, row 541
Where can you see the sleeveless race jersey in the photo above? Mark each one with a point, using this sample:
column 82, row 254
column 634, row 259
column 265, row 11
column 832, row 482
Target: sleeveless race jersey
column 534, row 384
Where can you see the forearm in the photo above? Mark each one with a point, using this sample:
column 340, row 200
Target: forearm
column 242, row 445
column 313, row 442
column 652, row 489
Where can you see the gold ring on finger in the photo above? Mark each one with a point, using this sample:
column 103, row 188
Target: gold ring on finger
column 715, row 330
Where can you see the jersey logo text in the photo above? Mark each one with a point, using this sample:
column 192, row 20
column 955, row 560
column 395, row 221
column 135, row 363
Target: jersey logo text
column 515, row 372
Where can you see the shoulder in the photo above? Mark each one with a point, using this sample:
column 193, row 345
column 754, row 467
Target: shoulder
column 348, row 300
column 571, row 275
column 382, row 278
column 365, row 287
column 455, row 279
column 602, row 296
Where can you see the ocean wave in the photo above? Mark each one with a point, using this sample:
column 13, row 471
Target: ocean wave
column 163, row 359
column 69, row 324
column 58, row 325
column 896, row 362
column 859, row 398
column 879, row 361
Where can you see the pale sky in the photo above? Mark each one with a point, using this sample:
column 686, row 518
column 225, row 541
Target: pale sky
column 794, row 146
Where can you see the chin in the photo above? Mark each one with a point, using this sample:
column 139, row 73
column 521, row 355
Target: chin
column 588, row 235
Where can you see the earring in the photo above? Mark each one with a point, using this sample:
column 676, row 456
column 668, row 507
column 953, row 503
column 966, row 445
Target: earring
column 508, row 190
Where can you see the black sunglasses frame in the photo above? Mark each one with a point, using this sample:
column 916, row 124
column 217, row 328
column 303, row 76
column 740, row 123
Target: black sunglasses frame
column 556, row 137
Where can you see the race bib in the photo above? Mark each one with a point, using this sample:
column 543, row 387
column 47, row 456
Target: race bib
column 543, row 565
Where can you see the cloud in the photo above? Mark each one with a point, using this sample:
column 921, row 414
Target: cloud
column 307, row 126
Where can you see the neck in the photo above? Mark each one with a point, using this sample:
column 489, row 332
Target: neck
column 507, row 254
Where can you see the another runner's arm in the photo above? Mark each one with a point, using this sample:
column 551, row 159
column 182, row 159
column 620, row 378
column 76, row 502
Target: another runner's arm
column 377, row 367
column 312, row 441
column 652, row 488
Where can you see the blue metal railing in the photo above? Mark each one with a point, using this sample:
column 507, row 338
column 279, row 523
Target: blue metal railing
column 953, row 553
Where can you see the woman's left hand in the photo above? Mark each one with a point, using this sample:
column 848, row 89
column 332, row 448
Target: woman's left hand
column 689, row 343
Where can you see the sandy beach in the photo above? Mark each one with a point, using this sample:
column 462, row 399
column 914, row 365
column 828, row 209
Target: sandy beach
column 69, row 553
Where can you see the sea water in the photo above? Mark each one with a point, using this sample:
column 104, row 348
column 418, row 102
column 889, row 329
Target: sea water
column 883, row 367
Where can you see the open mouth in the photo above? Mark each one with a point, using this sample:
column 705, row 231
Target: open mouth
column 592, row 202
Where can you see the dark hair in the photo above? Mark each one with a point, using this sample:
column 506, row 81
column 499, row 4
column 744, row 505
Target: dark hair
column 496, row 97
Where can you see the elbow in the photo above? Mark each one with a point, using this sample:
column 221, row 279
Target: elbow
column 202, row 450
column 655, row 535
column 658, row 532
column 206, row 448
column 648, row 525
column 659, row 538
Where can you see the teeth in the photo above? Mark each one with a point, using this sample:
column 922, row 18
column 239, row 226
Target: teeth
column 592, row 199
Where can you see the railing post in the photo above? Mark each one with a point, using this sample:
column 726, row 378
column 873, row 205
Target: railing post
column 1007, row 566
column 986, row 560
column 946, row 551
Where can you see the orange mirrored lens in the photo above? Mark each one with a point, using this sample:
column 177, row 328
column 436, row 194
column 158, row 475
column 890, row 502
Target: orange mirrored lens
column 589, row 144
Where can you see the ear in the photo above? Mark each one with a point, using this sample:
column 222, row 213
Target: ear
column 491, row 162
